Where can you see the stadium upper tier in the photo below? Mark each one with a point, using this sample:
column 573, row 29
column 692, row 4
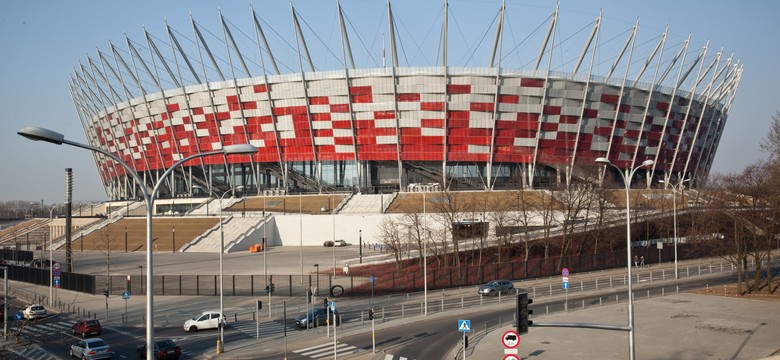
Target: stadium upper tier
column 392, row 128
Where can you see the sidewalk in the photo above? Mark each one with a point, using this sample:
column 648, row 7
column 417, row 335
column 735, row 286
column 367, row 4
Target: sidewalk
column 680, row 326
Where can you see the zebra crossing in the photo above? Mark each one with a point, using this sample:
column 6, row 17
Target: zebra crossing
column 392, row 357
column 34, row 353
column 326, row 350
column 43, row 329
column 267, row 329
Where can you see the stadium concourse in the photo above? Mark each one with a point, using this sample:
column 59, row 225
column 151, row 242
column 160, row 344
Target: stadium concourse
column 310, row 220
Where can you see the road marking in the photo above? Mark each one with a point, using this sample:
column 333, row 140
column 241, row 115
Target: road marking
column 326, row 350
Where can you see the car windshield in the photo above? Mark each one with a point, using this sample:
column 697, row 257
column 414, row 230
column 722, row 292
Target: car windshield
column 165, row 344
column 93, row 323
column 97, row 343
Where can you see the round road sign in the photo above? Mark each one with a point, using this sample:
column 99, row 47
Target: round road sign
column 565, row 272
column 56, row 266
column 510, row 339
column 511, row 357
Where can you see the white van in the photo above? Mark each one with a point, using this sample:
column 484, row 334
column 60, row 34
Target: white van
column 204, row 320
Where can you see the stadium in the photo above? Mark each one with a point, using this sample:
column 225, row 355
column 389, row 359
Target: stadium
column 398, row 128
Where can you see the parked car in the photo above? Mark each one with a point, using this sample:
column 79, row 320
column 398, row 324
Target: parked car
column 91, row 349
column 163, row 349
column 495, row 287
column 205, row 320
column 316, row 317
column 86, row 327
column 42, row 263
column 34, row 311
column 331, row 243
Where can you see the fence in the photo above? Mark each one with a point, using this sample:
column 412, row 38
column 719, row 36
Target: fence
column 384, row 283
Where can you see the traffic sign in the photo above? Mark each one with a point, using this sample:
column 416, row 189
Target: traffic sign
column 56, row 266
column 371, row 279
column 565, row 272
column 56, row 272
column 125, row 295
column 565, row 284
column 464, row 325
column 510, row 339
column 332, row 306
column 56, row 283
column 565, row 279
column 511, row 357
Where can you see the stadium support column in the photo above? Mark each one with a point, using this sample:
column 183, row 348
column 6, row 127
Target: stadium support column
column 68, row 200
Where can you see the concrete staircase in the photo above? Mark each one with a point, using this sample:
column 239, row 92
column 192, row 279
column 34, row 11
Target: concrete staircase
column 363, row 204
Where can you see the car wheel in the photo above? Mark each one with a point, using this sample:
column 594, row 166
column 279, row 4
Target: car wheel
column 193, row 328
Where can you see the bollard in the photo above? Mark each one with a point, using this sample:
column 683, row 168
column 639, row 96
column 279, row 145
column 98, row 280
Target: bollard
column 547, row 309
column 663, row 292
column 597, row 284
column 461, row 301
column 648, row 294
column 550, row 290
column 235, row 317
column 600, row 301
column 583, row 304
column 442, row 304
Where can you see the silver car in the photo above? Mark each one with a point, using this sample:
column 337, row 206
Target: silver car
column 90, row 349
column 34, row 311
column 496, row 287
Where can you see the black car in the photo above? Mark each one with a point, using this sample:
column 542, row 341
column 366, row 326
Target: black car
column 316, row 317
column 163, row 349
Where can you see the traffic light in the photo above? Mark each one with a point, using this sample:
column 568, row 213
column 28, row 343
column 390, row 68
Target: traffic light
column 105, row 292
column 523, row 312
column 370, row 314
column 465, row 341
column 259, row 305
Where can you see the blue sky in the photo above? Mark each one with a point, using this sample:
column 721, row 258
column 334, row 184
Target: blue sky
column 43, row 42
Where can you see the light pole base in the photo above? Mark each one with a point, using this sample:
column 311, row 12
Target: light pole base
column 219, row 347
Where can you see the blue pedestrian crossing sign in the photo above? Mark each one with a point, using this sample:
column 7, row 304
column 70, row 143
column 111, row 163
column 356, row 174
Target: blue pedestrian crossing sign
column 125, row 295
column 464, row 325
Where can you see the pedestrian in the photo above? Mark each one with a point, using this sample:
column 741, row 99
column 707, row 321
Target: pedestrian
column 636, row 261
column 642, row 261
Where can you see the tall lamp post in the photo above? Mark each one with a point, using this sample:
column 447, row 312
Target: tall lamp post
column 627, row 175
column 41, row 134
column 51, row 256
column 425, row 255
column 675, row 188
column 221, row 339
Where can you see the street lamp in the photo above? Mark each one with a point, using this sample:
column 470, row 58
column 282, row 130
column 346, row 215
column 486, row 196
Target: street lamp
column 317, row 267
column 51, row 256
column 674, row 216
column 41, row 134
column 221, row 340
column 627, row 175
column 425, row 255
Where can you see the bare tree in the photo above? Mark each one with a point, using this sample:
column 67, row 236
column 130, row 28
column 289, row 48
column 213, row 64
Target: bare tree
column 390, row 235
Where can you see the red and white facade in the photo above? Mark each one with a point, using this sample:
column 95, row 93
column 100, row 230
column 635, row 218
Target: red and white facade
column 502, row 123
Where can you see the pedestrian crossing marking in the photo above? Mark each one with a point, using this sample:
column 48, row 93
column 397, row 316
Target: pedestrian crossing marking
column 326, row 350
column 269, row 328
